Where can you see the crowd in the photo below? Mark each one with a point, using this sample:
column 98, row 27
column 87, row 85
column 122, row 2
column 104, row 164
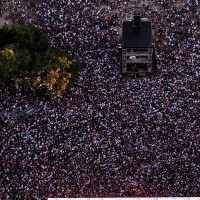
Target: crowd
column 109, row 135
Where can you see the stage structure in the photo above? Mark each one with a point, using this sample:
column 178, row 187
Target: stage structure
column 137, row 46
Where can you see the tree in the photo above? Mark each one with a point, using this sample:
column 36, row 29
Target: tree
column 53, row 82
column 28, row 58
column 55, row 76
column 23, row 60
column 7, row 62
column 28, row 37
column 6, row 36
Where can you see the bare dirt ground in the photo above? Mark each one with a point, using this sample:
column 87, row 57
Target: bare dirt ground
column 4, row 21
column 5, row 12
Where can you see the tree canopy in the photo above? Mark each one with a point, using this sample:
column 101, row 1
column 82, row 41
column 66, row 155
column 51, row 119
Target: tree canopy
column 26, row 56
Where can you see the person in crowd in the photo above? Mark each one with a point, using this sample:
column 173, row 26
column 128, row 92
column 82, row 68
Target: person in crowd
column 108, row 136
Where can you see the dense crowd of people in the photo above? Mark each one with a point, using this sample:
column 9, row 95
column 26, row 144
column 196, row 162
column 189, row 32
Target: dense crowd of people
column 109, row 135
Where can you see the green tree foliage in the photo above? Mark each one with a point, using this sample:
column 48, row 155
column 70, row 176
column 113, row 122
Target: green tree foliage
column 26, row 56
column 6, row 36
column 7, row 62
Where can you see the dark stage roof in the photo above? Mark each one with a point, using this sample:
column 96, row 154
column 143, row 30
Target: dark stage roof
column 138, row 37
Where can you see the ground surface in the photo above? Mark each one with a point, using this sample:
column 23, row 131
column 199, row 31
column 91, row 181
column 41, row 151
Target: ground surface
column 107, row 135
